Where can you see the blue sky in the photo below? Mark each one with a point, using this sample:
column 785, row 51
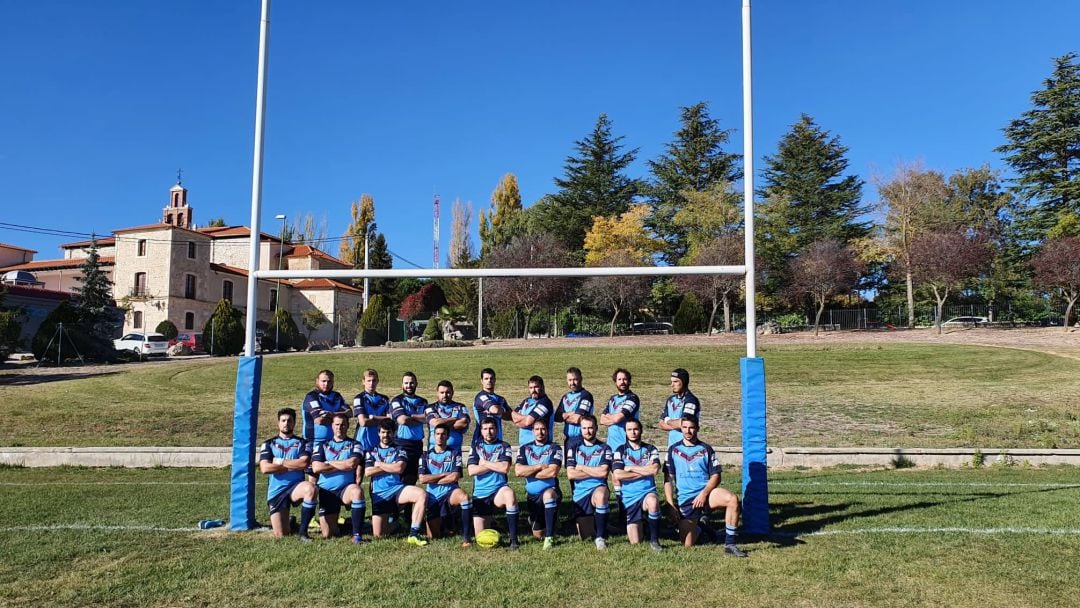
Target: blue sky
column 103, row 101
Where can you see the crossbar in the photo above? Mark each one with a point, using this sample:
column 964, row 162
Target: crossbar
column 465, row 273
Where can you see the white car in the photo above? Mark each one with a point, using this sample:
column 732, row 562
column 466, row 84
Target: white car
column 966, row 322
column 143, row 344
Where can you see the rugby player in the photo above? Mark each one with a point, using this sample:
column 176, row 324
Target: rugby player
column 539, row 463
column 488, row 403
column 408, row 411
column 370, row 408
column 692, row 476
column 447, row 411
column 319, row 407
column 440, row 469
column 636, row 465
column 284, row 458
column 681, row 403
column 622, row 406
column 335, row 462
column 588, row 462
column 535, row 407
column 574, row 403
column 489, row 464
column 385, row 466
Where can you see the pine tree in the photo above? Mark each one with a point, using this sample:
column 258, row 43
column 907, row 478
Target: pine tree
column 694, row 162
column 94, row 306
column 594, row 185
column 1044, row 150
column 808, row 198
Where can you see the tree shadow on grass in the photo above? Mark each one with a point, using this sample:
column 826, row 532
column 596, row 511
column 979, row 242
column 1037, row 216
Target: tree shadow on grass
column 32, row 379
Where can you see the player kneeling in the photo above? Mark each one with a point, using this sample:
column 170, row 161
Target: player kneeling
column 385, row 465
column 440, row 469
column 693, row 472
column 489, row 464
column 335, row 462
column 587, row 464
column 635, row 465
column 284, row 458
column 539, row 462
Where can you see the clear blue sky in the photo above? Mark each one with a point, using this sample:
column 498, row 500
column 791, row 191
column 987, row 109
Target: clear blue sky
column 103, row 101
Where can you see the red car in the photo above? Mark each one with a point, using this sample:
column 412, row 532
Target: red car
column 193, row 340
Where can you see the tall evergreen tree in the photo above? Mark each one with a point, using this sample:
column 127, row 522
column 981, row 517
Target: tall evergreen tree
column 594, row 185
column 693, row 162
column 503, row 221
column 1044, row 150
column 94, row 305
column 807, row 197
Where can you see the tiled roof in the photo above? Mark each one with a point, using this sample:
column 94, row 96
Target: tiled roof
column 303, row 251
column 105, row 260
column 229, row 269
column 324, row 284
column 102, row 242
column 6, row 246
column 36, row 292
column 224, row 232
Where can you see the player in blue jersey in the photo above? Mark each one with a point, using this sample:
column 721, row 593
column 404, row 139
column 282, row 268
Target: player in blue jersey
column 384, row 467
column 588, row 462
column 446, row 410
column 636, row 465
column 535, row 407
column 408, row 410
column 336, row 461
column 539, row 463
column 370, row 408
column 622, row 406
column 489, row 464
column 319, row 407
column 284, row 458
column 488, row 403
column 692, row 486
column 574, row 403
column 440, row 469
column 681, row 403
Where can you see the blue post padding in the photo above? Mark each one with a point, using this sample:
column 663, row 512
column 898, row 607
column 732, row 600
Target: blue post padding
column 755, row 478
column 245, row 424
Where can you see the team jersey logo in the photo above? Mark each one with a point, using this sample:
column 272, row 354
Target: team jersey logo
column 490, row 452
column 637, row 460
column 440, row 463
column 689, row 456
column 335, row 451
column 538, row 453
column 286, row 448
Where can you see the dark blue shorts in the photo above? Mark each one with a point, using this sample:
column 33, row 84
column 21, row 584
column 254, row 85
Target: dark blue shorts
column 635, row 511
column 330, row 501
column 535, row 504
column 283, row 499
column 437, row 508
column 688, row 511
column 484, row 507
column 413, row 450
column 584, row 507
column 386, row 506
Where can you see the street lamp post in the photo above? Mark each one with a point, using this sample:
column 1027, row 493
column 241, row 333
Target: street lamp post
column 277, row 298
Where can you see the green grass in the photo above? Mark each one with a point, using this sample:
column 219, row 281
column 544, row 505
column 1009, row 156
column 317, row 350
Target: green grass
column 908, row 395
column 826, row 552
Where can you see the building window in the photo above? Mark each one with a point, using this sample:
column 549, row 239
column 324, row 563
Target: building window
column 139, row 288
column 226, row 290
column 273, row 299
column 142, row 247
column 136, row 319
column 189, row 286
column 191, row 250
column 189, row 320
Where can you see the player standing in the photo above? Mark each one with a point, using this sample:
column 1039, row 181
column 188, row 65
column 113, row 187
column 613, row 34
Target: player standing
column 537, row 406
column 447, row 411
column 284, row 458
column 488, row 403
column 539, row 463
column 680, row 404
column 692, row 474
column 574, row 403
column 489, row 464
column 622, row 406
column 370, row 408
column 320, row 404
column 408, row 410
column 635, row 465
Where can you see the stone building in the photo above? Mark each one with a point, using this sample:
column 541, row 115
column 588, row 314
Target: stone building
column 174, row 270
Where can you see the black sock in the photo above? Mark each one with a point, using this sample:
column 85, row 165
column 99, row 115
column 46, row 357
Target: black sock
column 511, row 522
column 307, row 511
column 551, row 508
column 466, row 521
column 600, row 521
column 358, row 508
column 654, row 526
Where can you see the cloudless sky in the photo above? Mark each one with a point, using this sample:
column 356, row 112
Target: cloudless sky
column 101, row 102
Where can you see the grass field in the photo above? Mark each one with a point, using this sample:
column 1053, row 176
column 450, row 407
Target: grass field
column 975, row 537
column 906, row 395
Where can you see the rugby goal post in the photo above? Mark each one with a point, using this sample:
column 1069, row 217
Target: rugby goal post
column 755, row 499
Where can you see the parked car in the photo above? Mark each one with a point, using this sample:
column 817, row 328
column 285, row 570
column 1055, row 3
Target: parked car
column 966, row 322
column 143, row 344
column 193, row 340
column 650, row 328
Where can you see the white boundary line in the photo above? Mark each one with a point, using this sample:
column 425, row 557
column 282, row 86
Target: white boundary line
column 951, row 530
column 913, row 484
column 114, row 483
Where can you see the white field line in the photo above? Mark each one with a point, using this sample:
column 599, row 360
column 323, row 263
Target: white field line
column 913, row 484
column 950, row 530
column 114, row 483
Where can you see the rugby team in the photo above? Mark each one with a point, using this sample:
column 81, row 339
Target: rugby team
column 324, row 469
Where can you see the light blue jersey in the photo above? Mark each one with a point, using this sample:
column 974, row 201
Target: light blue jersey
column 453, row 410
column 489, row 482
column 595, row 455
column 540, row 453
column 690, row 467
column 385, row 486
column 629, row 456
column 576, row 402
column 409, row 405
column 539, row 409
column 330, row 451
column 676, row 407
column 369, row 405
column 278, row 448
column 434, row 462
column 630, row 406
column 483, row 402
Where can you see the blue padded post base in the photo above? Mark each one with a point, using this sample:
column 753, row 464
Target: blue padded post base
column 755, row 478
column 245, row 423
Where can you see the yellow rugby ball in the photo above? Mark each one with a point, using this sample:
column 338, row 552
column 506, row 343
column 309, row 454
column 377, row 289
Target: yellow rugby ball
column 488, row 538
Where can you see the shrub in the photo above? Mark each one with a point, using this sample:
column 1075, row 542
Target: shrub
column 223, row 333
column 433, row 331
column 373, row 315
column 690, row 318
column 282, row 333
column 10, row 329
column 76, row 342
column 167, row 328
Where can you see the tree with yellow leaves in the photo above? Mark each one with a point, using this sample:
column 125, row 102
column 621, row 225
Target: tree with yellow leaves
column 624, row 233
column 360, row 228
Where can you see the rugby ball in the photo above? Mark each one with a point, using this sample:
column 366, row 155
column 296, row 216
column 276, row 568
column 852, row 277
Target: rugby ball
column 488, row 538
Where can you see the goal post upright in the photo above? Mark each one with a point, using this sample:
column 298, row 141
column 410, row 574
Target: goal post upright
column 755, row 484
